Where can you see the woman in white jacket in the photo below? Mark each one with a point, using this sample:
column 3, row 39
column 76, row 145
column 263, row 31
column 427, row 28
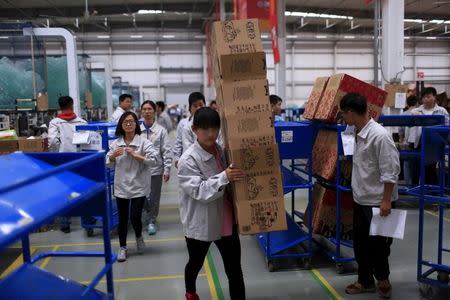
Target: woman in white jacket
column 157, row 136
column 131, row 156
column 206, row 209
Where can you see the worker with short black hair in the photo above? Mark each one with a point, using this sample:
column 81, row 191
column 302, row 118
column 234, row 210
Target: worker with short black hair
column 275, row 103
column 125, row 104
column 163, row 117
column 376, row 166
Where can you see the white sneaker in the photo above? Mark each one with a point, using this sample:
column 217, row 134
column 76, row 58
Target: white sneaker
column 123, row 254
column 140, row 245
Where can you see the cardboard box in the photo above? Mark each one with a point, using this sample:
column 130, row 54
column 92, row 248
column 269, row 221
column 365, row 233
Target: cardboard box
column 244, row 96
column 249, row 159
column 235, row 37
column 36, row 144
column 324, row 213
column 8, row 146
column 234, row 67
column 259, row 184
column 42, row 103
column 261, row 216
column 391, row 90
column 251, row 125
column 341, row 84
column 314, row 98
column 257, row 140
column 325, row 155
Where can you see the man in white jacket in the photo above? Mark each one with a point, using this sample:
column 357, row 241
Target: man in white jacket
column 125, row 104
column 60, row 136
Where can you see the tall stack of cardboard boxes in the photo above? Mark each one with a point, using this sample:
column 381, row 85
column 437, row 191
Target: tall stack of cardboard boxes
column 240, row 76
column 323, row 105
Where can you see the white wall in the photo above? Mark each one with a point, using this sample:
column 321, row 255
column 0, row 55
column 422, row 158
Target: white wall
column 181, row 64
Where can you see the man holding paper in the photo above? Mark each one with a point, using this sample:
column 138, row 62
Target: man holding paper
column 376, row 166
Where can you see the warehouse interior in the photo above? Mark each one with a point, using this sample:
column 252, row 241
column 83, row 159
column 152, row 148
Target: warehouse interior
column 95, row 51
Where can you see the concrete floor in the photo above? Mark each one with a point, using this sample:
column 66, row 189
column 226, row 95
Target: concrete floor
column 158, row 274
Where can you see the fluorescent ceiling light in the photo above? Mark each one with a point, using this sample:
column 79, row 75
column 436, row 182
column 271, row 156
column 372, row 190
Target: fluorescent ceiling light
column 321, row 36
column 136, row 36
column 414, row 20
column 4, row 37
column 349, row 37
column 150, row 11
column 437, row 21
column 406, row 37
column 168, row 36
column 314, row 15
column 291, row 36
column 201, row 36
column 430, row 37
column 265, row 36
column 103, row 36
column 447, row 22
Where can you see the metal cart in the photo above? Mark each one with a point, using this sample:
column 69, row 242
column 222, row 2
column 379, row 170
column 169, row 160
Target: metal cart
column 410, row 121
column 107, row 132
column 295, row 141
column 36, row 188
column 434, row 141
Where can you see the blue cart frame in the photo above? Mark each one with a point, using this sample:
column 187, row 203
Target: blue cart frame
column 107, row 132
column 434, row 141
column 36, row 188
column 295, row 140
column 410, row 121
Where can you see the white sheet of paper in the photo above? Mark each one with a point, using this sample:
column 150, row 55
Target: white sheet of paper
column 348, row 140
column 400, row 100
column 80, row 137
column 390, row 226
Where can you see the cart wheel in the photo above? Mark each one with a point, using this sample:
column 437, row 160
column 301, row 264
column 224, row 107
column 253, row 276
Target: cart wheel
column 271, row 266
column 443, row 277
column 425, row 290
column 90, row 232
column 340, row 268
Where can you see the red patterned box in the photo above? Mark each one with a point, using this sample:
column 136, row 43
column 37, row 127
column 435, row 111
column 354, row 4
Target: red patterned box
column 314, row 98
column 324, row 213
column 341, row 84
column 324, row 157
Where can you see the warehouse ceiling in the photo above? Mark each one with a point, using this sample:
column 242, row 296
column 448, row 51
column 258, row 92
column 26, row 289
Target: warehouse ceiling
column 422, row 17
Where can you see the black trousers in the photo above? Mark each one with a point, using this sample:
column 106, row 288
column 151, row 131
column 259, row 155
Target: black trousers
column 371, row 252
column 135, row 212
column 230, row 250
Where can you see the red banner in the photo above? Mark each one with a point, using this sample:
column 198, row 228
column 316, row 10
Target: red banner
column 252, row 9
column 274, row 31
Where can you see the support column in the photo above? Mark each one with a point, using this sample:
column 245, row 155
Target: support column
column 293, row 71
column 393, row 40
column 222, row 10
column 280, row 68
column 376, row 40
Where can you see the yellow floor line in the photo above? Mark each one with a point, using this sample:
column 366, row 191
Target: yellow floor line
column 212, row 287
column 150, row 278
column 330, row 288
column 15, row 264
column 436, row 215
column 112, row 243
column 47, row 259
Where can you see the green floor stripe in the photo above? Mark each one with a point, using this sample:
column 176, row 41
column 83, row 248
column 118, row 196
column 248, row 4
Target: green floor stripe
column 215, row 277
column 323, row 286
